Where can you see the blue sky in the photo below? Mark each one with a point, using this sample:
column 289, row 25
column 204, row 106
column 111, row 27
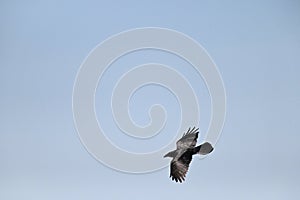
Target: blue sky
column 256, row 46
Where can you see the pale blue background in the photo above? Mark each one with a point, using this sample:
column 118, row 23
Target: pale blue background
column 256, row 45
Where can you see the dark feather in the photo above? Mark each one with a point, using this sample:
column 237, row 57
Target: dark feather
column 180, row 167
column 184, row 152
column 189, row 139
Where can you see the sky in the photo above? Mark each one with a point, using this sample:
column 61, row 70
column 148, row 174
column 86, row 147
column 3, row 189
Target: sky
column 256, row 46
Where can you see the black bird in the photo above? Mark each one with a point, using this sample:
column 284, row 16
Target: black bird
column 184, row 152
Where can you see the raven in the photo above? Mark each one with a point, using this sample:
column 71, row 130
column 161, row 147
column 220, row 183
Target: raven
column 185, row 149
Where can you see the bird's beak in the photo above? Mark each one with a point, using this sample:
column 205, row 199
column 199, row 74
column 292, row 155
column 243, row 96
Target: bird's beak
column 167, row 155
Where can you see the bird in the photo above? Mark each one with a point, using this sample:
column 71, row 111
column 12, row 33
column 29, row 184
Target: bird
column 182, row 156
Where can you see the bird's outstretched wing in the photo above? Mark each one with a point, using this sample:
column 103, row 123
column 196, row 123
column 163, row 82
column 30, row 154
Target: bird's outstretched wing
column 180, row 167
column 189, row 139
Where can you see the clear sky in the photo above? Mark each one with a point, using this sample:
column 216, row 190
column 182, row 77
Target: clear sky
column 256, row 46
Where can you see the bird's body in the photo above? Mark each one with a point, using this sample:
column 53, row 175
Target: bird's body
column 182, row 156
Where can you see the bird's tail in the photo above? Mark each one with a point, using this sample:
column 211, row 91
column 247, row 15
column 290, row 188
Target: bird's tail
column 203, row 149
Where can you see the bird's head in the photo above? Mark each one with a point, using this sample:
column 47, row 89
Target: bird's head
column 166, row 155
column 170, row 154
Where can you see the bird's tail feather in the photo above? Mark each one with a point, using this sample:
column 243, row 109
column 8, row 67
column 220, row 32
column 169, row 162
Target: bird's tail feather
column 203, row 149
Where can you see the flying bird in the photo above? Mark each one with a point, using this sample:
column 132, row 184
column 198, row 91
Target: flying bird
column 185, row 149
